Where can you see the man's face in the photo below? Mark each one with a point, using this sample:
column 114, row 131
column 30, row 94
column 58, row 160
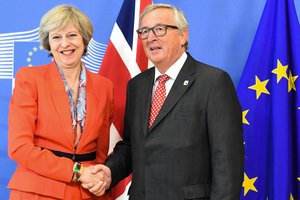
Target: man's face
column 165, row 50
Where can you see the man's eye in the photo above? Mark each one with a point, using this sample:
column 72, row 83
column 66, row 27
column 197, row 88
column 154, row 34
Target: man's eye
column 159, row 28
column 145, row 31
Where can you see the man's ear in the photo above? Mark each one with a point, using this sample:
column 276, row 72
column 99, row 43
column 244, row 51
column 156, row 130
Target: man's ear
column 184, row 36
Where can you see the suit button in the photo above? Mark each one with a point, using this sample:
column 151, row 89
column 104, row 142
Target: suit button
column 147, row 164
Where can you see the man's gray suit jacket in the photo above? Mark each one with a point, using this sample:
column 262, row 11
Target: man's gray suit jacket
column 194, row 149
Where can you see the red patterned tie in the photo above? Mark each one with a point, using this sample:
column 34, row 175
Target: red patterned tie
column 158, row 99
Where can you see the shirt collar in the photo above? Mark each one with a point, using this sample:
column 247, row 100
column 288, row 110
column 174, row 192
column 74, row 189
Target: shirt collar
column 174, row 70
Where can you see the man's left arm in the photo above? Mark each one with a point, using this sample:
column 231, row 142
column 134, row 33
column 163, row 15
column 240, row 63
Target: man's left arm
column 226, row 139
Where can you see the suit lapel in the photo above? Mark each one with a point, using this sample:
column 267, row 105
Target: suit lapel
column 91, row 107
column 182, row 83
column 147, row 97
column 60, row 101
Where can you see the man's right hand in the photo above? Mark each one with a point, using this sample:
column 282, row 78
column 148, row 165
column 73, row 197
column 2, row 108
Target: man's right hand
column 104, row 175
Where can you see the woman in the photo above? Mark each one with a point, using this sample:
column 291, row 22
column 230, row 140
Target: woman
column 60, row 115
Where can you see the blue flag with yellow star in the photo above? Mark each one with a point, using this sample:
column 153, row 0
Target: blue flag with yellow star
column 270, row 98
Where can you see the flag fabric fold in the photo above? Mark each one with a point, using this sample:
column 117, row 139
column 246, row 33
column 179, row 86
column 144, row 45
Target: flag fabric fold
column 123, row 59
column 270, row 98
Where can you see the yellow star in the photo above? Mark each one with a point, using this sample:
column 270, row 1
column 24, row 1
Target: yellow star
column 299, row 179
column 280, row 71
column 34, row 49
column 30, row 53
column 245, row 121
column 28, row 59
column 248, row 184
column 41, row 47
column 260, row 87
column 292, row 80
column 291, row 196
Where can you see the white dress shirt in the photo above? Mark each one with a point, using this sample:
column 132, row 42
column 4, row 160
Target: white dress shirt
column 172, row 72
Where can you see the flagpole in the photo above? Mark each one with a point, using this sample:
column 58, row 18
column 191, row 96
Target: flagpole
column 135, row 27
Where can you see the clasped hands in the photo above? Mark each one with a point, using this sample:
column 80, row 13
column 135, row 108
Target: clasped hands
column 96, row 178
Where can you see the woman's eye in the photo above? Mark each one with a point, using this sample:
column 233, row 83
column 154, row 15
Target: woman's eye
column 55, row 37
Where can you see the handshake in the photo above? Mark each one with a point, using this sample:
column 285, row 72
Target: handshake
column 96, row 178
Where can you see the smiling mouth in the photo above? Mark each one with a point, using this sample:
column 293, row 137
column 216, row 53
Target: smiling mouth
column 67, row 52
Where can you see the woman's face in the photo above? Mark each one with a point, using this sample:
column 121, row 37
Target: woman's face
column 67, row 46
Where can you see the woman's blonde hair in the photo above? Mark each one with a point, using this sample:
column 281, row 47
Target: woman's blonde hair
column 60, row 17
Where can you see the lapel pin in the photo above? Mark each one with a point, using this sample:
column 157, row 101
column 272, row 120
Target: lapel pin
column 186, row 82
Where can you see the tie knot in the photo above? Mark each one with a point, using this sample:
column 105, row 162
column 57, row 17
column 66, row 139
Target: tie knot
column 163, row 78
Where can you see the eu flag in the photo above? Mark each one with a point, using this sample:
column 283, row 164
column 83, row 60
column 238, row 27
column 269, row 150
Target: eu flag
column 270, row 98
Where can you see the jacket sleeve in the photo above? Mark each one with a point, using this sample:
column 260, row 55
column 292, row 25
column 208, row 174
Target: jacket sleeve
column 120, row 161
column 23, row 110
column 226, row 139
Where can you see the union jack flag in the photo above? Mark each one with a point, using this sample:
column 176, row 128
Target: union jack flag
column 124, row 59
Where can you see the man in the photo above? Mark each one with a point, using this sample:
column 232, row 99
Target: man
column 193, row 148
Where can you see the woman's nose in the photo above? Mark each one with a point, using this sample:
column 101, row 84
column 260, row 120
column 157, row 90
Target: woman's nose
column 65, row 42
